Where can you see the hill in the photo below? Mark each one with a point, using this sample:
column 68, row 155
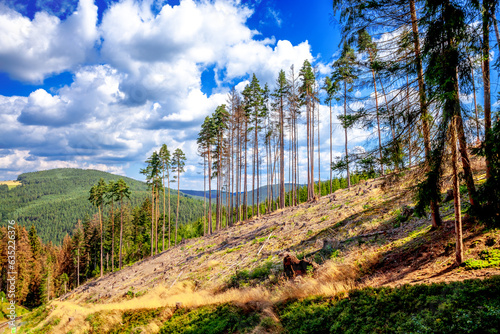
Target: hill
column 54, row 200
column 382, row 269
column 262, row 193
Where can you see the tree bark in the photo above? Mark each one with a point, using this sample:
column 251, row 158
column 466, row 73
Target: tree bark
column 486, row 82
column 378, row 123
column 475, row 107
column 102, row 260
column 210, row 229
column 112, row 235
column 121, row 231
column 282, row 156
column 345, row 131
column 456, row 194
column 178, row 198
column 436, row 218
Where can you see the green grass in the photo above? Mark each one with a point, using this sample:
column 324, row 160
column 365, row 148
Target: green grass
column 461, row 307
column 243, row 278
column 230, row 250
column 487, row 258
column 134, row 319
column 224, row 318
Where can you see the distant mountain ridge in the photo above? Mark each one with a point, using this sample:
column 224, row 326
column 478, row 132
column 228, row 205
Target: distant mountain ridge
column 262, row 193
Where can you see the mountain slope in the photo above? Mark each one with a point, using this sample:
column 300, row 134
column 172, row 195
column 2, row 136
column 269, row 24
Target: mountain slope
column 54, row 200
column 361, row 237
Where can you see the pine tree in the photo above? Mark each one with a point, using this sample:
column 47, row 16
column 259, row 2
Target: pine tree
column 306, row 90
column 254, row 104
column 110, row 195
column 344, row 73
column 122, row 191
column 165, row 159
column 178, row 163
column 280, row 95
column 96, row 197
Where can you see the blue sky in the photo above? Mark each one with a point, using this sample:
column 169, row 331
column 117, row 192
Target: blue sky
column 102, row 84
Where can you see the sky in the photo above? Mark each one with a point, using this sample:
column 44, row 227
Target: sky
column 102, row 84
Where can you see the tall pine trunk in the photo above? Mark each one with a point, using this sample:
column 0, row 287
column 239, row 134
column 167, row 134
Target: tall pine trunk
column 456, row 194
column 487, row 4
column 345, row 131
column 331, row 148
column 282, row 156
column 112, row 235
column 178, row 198
column 378, row 124
column 210, row 228
column 121, row 231
column 436, row 218
column 102, row 260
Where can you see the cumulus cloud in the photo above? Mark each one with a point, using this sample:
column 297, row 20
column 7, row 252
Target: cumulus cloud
column 136, row 80
column 30, row 50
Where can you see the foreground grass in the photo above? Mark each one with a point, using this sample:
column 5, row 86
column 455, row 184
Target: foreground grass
column 471, row 306
column 459, row 307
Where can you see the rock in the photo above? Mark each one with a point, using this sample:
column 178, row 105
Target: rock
column 294, row 267
column 319, row 243
column 178, row 305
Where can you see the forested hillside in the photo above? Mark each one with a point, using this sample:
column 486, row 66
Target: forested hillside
column 54, row 200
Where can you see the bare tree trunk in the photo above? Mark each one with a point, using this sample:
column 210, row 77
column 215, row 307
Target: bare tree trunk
column 164, row 207
column 78, row 256
column 409, row 129
column 112, row 234
column 121, row 231
column 495, row 25
column 282, row 156
column 378, row 123
column 312, row 148
column 436, row 218
column 319, row 154
column 157, row 216
column 100, row 222
column 456, row 194
column 469, row 178
column 152, row 217
column 331, row 148
column 308, row 126
column 210, row 228
column 345, row 131
column 486, row 82
column 169, row 232
column 204, row 195
column 245, row 194
column 178, row 198
column 254, row 165
column 257, row 165
column 475, row 106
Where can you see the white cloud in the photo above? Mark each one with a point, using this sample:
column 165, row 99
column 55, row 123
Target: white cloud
column 138, row 88
column 30, row 50
column 21, row 161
